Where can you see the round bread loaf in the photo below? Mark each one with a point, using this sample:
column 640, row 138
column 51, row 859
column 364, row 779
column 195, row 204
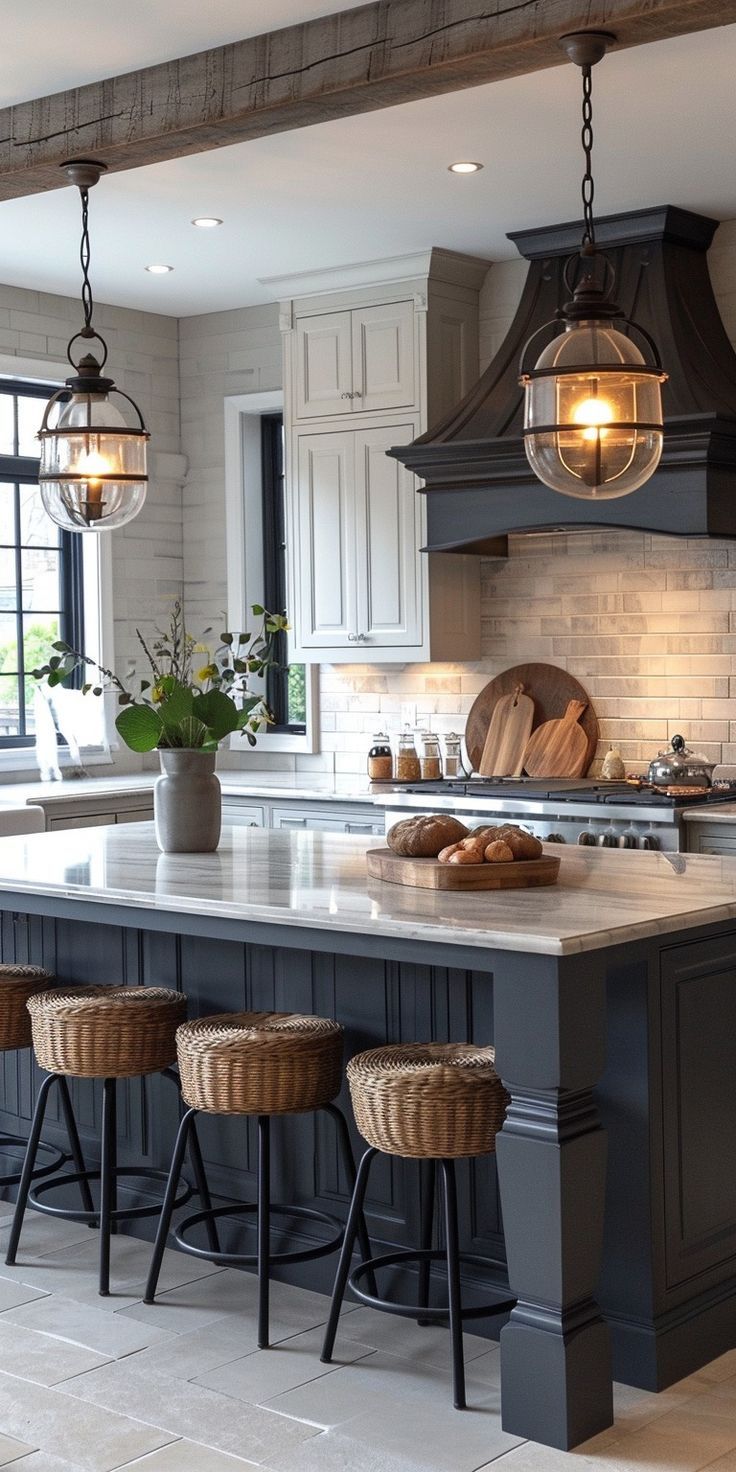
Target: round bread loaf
column 424, row 838
column 498, row 852
column 523, row 845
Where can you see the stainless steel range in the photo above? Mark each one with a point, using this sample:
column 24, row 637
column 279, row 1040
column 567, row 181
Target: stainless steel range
column 565, row 810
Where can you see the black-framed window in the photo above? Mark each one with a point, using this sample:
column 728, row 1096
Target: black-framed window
column 286, row 685
column 41, row 584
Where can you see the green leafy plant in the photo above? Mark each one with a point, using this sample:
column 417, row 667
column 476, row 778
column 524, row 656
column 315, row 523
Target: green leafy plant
column 194, row 696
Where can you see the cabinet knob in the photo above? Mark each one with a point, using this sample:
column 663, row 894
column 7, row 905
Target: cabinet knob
column 352, row 638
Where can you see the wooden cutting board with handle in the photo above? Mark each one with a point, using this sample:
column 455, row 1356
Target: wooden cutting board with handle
column 558, row 748
column 508, row 734
column 549, row 687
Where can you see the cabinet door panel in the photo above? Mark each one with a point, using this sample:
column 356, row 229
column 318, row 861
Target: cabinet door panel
column 383, row 357
column 389, row 605
column 326, row 528
column 323, row 365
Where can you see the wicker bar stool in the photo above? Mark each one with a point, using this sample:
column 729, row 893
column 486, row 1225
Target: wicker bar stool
column 434, row 1102
column 17, row 983
column 261, row 1064
column 107, row 1033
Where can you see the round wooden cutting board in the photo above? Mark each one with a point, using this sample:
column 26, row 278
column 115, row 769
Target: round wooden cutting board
column 551, row 690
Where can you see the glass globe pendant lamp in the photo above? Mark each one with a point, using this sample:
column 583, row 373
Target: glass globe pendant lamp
column 93, row 438
column 592, row 401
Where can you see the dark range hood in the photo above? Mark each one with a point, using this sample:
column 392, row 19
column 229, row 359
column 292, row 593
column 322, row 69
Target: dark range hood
column 478, row 482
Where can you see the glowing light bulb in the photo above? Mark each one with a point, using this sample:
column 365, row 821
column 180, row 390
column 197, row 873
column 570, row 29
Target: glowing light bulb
column 93, row 466
column 593, row 414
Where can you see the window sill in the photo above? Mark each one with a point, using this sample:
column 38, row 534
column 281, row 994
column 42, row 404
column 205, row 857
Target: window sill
column 23, row 759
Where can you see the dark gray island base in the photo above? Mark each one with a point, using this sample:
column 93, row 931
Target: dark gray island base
column 616, row 1161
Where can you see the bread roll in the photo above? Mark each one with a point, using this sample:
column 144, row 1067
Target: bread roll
column 446, row 854
column 466, row 856
column 498, row 852
column 425, row 837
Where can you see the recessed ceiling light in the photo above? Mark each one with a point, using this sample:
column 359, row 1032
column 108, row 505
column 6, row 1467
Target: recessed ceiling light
column 207, row 222
column 464, row 166
column 159, row 270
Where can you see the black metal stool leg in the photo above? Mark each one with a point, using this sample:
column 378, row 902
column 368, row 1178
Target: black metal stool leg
column 29, row 1162
column 263, row 1229
column 167, row 1207
column 108, row 1164
column 343, row 1267
column 203, row 1190
column 75, row 1146
column 453, row 1283
column 427, row 1170
column 343, row 1139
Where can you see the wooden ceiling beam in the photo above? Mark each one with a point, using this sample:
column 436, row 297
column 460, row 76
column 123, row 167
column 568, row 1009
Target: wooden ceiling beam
column 388, row 52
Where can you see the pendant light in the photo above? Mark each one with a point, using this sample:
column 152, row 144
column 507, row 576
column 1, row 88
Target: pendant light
column 93, row 439
column 592, row 401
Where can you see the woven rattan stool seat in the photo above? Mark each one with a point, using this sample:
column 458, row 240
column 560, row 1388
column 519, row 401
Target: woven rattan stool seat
column 431, row 1101
column 106, row 1031
column 259, row 1062
column 17, row 984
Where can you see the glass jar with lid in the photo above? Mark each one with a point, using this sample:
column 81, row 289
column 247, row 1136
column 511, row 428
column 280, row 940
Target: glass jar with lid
column 407, row 761
column 430, row 761
column 380, row 759
column 454, row 755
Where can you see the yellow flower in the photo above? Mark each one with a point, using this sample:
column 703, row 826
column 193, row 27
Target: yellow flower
column 207, row 672
column 157, row 694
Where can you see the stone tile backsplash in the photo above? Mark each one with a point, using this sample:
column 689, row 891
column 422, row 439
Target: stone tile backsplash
column 647, row 624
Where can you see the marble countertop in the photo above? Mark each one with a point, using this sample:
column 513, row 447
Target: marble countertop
column 318, row 881
column 286, row 785
column 721, row 812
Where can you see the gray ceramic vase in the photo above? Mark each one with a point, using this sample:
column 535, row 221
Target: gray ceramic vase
column 187, row 803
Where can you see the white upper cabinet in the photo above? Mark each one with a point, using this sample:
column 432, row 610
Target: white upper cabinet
column 325, row 570
column 383, row 357
column 375, row 365
column 324, row 367
column 357, row 578
column 355, row 361
column 387, row 574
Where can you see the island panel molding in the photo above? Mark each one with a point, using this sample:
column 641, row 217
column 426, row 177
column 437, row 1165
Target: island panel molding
column 381, row 54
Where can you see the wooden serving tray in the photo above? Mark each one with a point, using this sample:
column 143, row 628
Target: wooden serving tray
column 430, row 874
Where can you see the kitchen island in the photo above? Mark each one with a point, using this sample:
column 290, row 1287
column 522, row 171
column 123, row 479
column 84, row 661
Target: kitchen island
column 612, row 1004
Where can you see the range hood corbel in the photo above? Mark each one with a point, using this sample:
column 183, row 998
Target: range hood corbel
column 477, row 477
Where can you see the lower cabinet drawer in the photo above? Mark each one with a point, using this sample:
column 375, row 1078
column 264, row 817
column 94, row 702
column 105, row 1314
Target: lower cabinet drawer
column 244, row 815
column 84, row 820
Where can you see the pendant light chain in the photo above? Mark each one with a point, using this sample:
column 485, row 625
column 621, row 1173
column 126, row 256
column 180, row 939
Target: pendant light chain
column 588, row 186
column 84, row 256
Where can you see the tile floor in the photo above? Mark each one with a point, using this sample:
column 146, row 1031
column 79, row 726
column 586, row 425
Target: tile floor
column 97, row 1384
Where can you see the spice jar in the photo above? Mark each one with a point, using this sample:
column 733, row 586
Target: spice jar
column 453, row 755
column 407, row 761
column 430, row 762
column 380, row 760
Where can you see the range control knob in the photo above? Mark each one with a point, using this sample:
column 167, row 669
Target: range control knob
column 555, row 838
column 648, row 840
column 627, row 840
column 587, row 838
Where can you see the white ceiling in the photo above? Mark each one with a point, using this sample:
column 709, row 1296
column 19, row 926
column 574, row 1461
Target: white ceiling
column 364, row 187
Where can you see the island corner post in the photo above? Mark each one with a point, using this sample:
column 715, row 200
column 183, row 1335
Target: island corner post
column 604, row 1045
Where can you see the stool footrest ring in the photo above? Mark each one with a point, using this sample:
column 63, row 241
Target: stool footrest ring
column 122, row 1213
column 240, row 1259
column 412, row 1311
column 57, row 1159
